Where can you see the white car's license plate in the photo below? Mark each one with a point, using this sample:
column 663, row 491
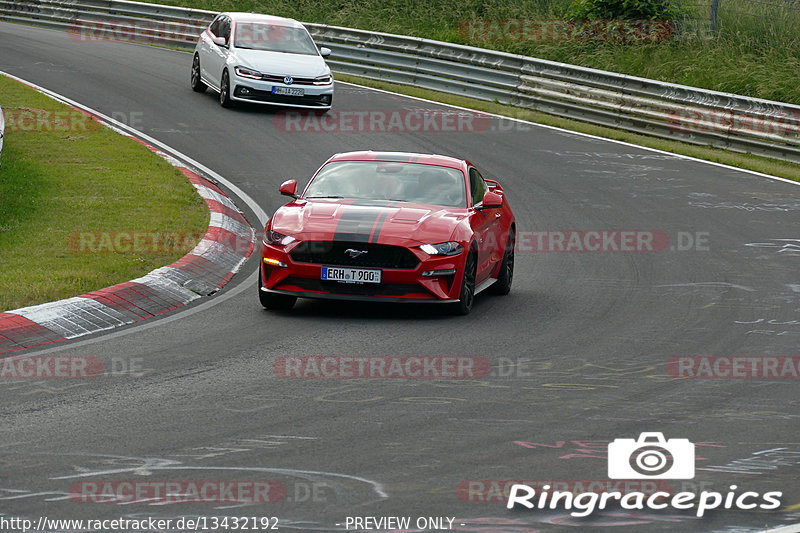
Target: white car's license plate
column 351, row 275
column 288, row 91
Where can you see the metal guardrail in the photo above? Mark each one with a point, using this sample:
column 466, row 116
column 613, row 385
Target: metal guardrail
column 639, row 105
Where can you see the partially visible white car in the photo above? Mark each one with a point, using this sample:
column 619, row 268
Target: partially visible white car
column 249, row 57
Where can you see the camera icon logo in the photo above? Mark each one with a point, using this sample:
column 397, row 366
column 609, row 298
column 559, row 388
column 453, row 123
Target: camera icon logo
column 651, row 457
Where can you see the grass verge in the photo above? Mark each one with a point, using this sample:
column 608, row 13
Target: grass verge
column 63, row 173
column 773, row 167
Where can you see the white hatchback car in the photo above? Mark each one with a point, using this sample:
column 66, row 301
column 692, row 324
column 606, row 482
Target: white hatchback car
column 249, row 57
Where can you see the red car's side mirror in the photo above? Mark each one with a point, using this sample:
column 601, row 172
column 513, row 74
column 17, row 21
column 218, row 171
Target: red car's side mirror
column 289, row 188
column 492, row 200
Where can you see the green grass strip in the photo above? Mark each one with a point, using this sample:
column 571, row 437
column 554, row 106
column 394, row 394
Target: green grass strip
column 63, row 176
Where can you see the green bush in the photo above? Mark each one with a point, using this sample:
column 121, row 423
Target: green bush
column 623, row 9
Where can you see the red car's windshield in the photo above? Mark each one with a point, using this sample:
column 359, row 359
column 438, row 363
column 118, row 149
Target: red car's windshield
column 380, row 180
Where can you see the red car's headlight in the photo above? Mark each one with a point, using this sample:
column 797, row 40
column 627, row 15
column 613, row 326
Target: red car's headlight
column 277, row 239
column 443, row 248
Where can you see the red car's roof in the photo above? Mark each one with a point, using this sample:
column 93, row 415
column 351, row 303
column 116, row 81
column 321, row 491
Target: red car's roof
column 402, row 157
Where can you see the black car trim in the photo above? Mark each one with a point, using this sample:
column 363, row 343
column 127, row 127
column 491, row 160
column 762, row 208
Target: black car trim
column 362, row 223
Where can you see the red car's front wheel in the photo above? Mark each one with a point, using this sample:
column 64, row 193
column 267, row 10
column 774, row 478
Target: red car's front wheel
column 467, row 296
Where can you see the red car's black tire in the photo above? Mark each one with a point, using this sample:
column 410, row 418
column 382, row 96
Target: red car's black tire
column 503, row 284
column 467, row 296
column 274, row 301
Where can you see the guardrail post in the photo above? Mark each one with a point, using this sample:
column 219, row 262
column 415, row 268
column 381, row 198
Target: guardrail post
column 714, row 9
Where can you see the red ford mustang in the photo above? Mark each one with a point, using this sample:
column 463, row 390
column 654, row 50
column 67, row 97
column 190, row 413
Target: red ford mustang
column 389, row 227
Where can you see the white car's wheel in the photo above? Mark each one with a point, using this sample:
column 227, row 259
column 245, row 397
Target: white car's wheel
column 197, row 83
column 225, row 90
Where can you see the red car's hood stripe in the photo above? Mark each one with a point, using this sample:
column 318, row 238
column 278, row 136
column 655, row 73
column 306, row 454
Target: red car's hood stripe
column 362, row 223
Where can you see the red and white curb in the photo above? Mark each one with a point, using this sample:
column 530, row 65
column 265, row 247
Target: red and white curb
column 227, row 244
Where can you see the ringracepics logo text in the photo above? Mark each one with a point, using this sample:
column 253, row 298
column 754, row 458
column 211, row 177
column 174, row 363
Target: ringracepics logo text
column 648, row 457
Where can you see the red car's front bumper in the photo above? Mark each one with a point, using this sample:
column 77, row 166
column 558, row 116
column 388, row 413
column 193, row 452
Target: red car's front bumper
column 440, row 284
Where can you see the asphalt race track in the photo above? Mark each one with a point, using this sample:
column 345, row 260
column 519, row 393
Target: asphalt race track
column 579, row 349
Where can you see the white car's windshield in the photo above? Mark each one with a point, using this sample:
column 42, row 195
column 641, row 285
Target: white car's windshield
column 273, row 38
column 380, row 180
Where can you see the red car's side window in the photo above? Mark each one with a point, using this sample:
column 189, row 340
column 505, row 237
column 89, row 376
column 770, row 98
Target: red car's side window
column 477, row 187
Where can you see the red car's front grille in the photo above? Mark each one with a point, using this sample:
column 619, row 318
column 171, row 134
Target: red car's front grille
column 354, row 254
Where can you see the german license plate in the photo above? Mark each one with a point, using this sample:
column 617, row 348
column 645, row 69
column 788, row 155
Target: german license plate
column 288, row 91
column 351, row 275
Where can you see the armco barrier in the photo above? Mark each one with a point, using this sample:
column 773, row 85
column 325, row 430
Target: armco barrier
column 639, row 105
